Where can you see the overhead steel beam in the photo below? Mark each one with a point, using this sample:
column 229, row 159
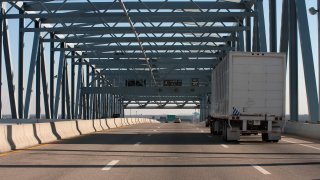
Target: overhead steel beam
column 127, row 30
column 175, row 73
column 106, row 40
column 160, row 98
column 149, row 91
column 118, row 48
column 136, row 16
column 151, row 55
column 107, row 18
column 83, row 6
column 162, row 107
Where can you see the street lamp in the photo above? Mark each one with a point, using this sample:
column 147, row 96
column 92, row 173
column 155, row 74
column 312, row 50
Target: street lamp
column 314, row 11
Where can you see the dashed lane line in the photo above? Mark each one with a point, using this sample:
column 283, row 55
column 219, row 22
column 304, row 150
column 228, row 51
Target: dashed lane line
column 259, row 168
column 225, row 146
column 110, row 165
column 305, row 145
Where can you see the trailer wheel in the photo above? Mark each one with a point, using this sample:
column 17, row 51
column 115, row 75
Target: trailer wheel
column 265, row 137
column 224, row 131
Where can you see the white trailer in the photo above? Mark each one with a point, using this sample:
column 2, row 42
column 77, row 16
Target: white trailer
column 248, row 95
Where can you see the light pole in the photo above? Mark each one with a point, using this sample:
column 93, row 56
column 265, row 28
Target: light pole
column 314, row 11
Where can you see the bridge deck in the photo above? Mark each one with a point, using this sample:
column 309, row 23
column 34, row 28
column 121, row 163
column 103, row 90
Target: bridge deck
column 164, row 151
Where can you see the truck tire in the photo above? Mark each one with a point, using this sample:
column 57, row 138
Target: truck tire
column 224, row 131
column 275, row 136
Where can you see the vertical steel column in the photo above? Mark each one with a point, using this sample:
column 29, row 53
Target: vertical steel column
column 7, row 56
column 44, row 84
column 273, row 25
column 52, row 75
column 240, row 44
column 307, row 59
column 248, row 34
column 261, row 27
column 107, row 105
column 78, row 91
column 38, row 82
column 1, row 35
column 87, row 95
column 72, row 85
column 284, row 39
column 63, row 92
column 255, row 36
column 59, row 79
column 20, row 66
column 318, row 52
column 67, row 93
column 293, row 65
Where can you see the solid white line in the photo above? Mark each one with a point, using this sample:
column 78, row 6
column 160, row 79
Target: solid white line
column 225, row 146
column 302, row 144
column 137, row 144
column 110, row 165
column 263, row 171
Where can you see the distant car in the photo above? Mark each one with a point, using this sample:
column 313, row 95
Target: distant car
column 178, row 120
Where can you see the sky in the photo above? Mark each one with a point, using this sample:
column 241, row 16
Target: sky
column 13, row 29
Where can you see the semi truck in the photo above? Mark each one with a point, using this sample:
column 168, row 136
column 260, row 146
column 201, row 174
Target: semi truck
column 248, row 95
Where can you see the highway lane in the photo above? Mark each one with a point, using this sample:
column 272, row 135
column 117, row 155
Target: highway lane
column 165, row 151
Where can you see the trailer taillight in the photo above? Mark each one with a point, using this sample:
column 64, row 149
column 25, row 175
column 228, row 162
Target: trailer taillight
column 238, row 117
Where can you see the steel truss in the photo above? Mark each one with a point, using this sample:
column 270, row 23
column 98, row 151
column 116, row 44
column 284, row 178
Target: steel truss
column 98, row 46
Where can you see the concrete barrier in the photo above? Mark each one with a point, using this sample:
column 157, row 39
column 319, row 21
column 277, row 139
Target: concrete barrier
column 97, row 125
column 22, row 136
column 117, row 121
column 4, row 144
column 125, row 120
column 111, row 123
column 66, row 129
column 86, row 126
column 104, row 124
column 45, row 133
column 26, row 135
column 303, row 129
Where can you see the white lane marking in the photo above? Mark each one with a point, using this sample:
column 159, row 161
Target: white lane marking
column 225, row 146
column 110, row 165
column 149, row 134
column 259, row 168
column 302, row 144
column 137, row 144
column 209, row 136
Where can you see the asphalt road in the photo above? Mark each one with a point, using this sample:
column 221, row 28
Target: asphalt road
column 164, row 152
